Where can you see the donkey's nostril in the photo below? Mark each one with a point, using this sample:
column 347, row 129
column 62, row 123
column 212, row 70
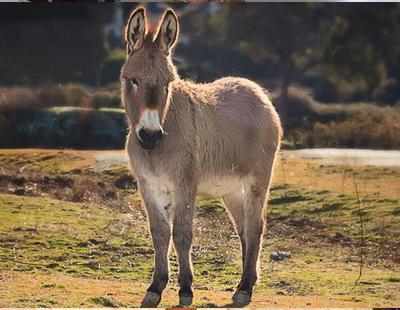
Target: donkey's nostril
column 142, row 134
column 158, row 135
column 148, row 139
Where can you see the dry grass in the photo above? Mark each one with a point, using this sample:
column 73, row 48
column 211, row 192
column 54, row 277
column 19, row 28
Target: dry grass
column 311, row 173
column 77, row 292
column 17, row 99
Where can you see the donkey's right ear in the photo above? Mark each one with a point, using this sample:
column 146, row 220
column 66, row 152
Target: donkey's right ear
column 135, row 30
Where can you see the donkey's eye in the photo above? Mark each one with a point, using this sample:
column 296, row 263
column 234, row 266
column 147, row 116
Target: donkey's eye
column 133, row 83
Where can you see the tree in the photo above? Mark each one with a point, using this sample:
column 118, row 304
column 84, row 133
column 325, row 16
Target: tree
column 51, row 43
column 361, row 43
column 279, row 32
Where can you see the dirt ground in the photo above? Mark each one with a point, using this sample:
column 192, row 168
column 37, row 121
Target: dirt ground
column 73, row 234
column 71, row 290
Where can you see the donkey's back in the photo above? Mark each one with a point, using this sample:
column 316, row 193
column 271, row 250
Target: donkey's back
column 237, row 129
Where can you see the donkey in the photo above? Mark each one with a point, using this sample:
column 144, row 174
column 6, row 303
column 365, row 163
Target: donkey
column 186, row 140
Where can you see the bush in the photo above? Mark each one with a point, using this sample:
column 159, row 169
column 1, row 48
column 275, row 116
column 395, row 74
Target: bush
column 19, row 99
column 360, row 125
column 77, row 95
column 304, row 110
column 364, row 131
column 105, row 99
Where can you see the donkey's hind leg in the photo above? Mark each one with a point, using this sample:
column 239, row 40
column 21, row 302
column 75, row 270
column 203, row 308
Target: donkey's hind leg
column 235, row 204
column 252, row 229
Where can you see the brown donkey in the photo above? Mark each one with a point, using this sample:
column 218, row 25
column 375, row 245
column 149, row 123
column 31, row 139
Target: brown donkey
column 185, row 139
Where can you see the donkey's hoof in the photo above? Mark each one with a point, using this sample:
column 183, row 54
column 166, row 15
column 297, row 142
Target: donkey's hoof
column 185, row 300
column 150, row 300
column 241, row 297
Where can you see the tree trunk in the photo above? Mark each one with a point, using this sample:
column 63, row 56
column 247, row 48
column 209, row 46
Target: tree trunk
column 98, row 76
column 284, row 92
column 285, row 86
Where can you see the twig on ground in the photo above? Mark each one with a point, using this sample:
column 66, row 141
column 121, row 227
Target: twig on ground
column 27, row 263
column 359, row 203
column 283, row 162
column 280, row 240
column 310, row 174
column 343, row 179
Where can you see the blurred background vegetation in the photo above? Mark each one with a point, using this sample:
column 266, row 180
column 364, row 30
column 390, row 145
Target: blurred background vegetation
column 333, row 69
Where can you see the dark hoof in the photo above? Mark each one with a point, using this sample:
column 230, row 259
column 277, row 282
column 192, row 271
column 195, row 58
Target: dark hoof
column 241, row 298
column 185, row 300
column 150, row 300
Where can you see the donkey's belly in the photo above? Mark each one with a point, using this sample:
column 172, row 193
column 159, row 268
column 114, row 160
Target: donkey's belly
column 219, row 186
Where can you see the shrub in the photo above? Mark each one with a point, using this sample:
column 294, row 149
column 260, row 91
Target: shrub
column 77, row 95
column 50, row 95
column 364, row 131
column 105, row 99
column 17, row 99
column 22, row 99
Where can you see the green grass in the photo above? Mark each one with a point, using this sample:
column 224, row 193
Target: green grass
column 38, row 162
column 106, row 248
column 69, row 237
column 329, row 213
column 40, row 235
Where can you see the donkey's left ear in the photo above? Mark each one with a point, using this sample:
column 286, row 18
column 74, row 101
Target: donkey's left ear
column 168, row 31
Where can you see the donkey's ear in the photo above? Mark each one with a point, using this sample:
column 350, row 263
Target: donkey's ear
column 135, row 30
column 168, row 31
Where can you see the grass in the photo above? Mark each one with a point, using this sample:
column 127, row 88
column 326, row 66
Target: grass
column 97, row 253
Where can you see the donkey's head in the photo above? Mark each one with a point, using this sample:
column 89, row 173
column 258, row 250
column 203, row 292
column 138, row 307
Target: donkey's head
column 146, row 75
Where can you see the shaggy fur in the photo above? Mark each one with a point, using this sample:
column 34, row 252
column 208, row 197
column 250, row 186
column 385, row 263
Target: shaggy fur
column 220, row 140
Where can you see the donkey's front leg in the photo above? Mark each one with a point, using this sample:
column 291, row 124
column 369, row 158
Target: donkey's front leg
column 183, row 235
column 156, row 205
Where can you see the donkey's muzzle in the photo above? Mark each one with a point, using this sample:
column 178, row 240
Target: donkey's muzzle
column 149, row 139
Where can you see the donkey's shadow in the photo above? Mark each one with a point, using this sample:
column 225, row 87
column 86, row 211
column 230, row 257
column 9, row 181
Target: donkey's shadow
column 234, row 305
column 212, row 305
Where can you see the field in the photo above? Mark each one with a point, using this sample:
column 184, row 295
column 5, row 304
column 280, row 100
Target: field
column 73, row 234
